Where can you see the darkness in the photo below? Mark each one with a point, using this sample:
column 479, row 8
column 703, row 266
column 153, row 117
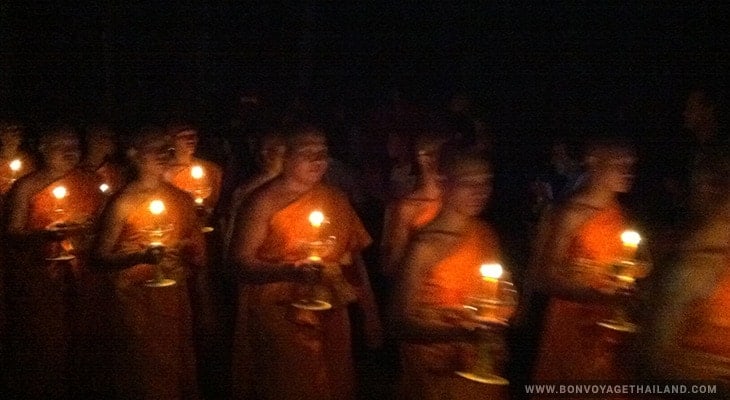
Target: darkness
column 530, row 65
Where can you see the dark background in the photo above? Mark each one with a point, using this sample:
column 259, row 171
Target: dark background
column 546, row 68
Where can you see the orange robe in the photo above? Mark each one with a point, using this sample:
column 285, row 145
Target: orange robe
column 426, row 210
column 48, row 300
column 428, row 369
column 182, row 178
column 573, row 347
column 284, row 353
column 156, row 323
column 709, row 330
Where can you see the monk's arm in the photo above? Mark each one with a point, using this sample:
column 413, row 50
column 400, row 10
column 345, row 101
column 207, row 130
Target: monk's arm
column 395, row 239
column 556, row 271
column 249, row 234
column 414, row 321
column 104, row 256
column 18, row 217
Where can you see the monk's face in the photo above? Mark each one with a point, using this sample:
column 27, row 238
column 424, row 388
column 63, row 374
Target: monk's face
column 186, row 141
column 155, row 156
column 468, row 190
column 306, row 161
column 62, row 153
column 616, row 173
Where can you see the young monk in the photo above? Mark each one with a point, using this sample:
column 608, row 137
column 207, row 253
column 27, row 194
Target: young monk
column 440, row 273
column 14, row 163
column 155, row 356
column 585, row 230
column 282, row 352
column 101, row 148
column 404, row 216
column 46, row 308
column 181, row 171
column 690, row 335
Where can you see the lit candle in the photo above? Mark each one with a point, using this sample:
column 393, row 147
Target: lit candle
column 15, row 166
column 316, row 218
column 157, row 207
column 197, row 172
column 490, row 276
column 60, row 192
column 104, row 188
column 630, row 240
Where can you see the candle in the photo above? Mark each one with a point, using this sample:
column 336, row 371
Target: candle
column 104, row 188
column 60, row 192
column 15, row 166
column 156, row 207
column 197, row 172
column 316, row 218
column 490, row 277
column 630, row 240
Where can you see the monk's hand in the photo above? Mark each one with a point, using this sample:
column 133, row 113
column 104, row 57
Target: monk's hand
column 154, row 254
column 62, row 230
column 308, row 273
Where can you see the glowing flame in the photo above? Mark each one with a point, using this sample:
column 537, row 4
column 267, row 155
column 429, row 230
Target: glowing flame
column 157, row 207
column 491, row 271
column 104, row 187
column 15, row 165
column 316, row 218
column 59, row 192
column 197, row 172
column 630, row 239
column 199, row 201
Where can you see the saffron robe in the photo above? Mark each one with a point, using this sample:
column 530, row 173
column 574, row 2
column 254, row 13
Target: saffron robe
column 48, row 301
column 573, row 347
column 428, row 369
column 156, row 323
column 422, row 212
column 281, row 352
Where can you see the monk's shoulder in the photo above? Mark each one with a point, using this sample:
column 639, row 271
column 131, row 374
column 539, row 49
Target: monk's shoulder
column 266, row 199
column 30, row 184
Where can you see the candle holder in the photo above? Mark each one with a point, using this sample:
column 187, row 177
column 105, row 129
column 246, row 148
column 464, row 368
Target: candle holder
column 156, row 235
column 622, row 277
column 201, row 190
column 315, row 295
column 60, row 227
column 492, row 314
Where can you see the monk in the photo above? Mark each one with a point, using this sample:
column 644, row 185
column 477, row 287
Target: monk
column 283, row 352
column 14, row 162
column 690, row 335
column 206, row 188
column 154, row 357
column 50, row 212
column 404, row 216
column 441, row 272
column 101, row 149
column 576, row 247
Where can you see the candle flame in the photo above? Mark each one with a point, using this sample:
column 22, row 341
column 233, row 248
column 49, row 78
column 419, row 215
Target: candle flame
column 157, row 207
column 316, row 218
column 104, row 187
column 630, row 238
column 15, row 165
column 197, row 172
column 199, row 200
column 491, row 271
column 59, row 192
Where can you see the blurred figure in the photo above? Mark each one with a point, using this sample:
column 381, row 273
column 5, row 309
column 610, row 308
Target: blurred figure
column 50, row 212
column 183, row 172
column 281, row 351
column 151, row 353
column 406, row 215
column 440, row 274
column 14, row 162
column 101, row 150
column 270, row 162
column 689, row 337
column 576, row 247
